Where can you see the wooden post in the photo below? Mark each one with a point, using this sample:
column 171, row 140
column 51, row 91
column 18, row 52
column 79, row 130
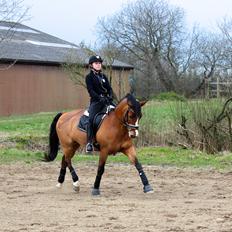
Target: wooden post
column 206, row 88
column 218, row 87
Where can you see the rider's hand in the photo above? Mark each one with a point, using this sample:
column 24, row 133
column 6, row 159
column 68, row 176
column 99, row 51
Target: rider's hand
column 104, row 100
column 110, row 98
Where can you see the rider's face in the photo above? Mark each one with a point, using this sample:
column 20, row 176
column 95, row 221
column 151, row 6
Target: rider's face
column 97, row 65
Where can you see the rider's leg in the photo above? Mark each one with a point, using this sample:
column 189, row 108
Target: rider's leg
column 89, row 146
column 94, row 108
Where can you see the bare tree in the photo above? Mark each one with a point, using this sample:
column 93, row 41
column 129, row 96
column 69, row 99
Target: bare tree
column 226, row 29
column 110, row 54
column 210, row 59
column 77, row 64
column 152, row 33
column 12, row 11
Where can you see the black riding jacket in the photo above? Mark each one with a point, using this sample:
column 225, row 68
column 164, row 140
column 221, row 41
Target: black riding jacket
column 97, row 86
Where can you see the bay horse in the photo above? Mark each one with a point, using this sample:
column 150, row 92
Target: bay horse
column 114, row 135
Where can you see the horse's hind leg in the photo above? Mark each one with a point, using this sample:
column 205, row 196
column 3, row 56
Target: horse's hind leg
column 69, row 153
column 62, row 172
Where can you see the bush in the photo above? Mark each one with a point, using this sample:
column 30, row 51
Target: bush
column 205, row 125
column 196, row 124
column 170, row 96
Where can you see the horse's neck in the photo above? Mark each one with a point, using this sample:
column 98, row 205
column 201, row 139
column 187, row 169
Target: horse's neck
column 121, row 109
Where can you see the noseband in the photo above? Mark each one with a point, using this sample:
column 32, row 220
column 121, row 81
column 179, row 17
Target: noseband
column 128, row 125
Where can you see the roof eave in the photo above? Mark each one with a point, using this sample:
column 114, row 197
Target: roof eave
column 53, row 63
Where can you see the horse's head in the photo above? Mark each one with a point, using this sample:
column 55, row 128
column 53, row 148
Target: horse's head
column 131, row 114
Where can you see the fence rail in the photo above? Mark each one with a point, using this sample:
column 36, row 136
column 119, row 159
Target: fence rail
column 219, row 88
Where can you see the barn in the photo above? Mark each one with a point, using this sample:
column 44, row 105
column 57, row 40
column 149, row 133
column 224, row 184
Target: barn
column 32, row 78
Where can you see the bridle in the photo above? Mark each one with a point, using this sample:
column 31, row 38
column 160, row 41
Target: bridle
column 125, row 121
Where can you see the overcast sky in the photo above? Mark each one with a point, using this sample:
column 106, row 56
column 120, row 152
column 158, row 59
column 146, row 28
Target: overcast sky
column 75, row 20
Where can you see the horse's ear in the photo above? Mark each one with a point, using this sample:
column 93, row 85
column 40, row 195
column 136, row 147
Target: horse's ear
column 142, row 103
column 129, row 103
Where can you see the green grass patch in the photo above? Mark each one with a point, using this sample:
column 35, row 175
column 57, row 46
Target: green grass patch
column 25, row 138
column 170, row 156
column 12, row 155
column 170, row 96
column 160, row 156
column 34, row 124
column 157, row 116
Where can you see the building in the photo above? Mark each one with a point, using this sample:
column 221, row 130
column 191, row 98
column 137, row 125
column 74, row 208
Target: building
column 31, row 75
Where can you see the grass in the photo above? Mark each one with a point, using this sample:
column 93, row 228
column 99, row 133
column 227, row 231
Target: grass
column 173, row 156
column 157, row 123
column 34, row 124
column 159, row 156
column 158, row 113
column 24, row 139
column 12, row 155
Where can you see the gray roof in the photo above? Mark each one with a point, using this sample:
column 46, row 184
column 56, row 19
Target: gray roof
column 24, row 44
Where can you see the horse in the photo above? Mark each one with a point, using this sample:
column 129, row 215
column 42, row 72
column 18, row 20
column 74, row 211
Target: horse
column 115, row 134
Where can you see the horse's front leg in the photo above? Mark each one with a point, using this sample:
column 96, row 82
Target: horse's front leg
column 131, row 153
column 146, row 186
column 101, row 168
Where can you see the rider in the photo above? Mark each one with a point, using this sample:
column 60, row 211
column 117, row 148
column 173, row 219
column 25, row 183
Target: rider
column 100, row 93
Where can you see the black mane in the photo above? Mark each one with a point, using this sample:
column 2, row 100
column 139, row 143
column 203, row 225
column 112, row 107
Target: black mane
column 135, row 105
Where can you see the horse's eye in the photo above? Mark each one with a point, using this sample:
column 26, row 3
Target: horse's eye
column 133, row 116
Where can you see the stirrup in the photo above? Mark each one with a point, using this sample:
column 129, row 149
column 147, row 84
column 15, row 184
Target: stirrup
column 89, row 148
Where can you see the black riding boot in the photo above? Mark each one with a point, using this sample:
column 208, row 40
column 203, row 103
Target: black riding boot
column 89, row 146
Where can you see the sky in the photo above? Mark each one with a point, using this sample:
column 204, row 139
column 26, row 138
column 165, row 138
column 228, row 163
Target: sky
column 76, row 20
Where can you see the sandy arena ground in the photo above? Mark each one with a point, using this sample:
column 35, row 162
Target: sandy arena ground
column 183, row 200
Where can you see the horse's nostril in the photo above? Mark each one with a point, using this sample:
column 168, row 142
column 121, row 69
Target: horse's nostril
column 132, row 134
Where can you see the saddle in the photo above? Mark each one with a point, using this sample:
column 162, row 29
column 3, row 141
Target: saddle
column 98, row 119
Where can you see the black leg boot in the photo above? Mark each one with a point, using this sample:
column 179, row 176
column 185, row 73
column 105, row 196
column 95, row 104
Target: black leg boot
column 89, row 146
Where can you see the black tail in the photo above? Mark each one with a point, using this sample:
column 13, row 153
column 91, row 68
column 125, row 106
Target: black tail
column 53, row 140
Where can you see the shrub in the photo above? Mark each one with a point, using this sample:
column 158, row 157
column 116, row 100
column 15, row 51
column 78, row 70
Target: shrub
column 170, row 96
column 206, row 125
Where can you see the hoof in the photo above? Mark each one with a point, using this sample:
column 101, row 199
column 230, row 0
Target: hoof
column 58, row 185
column 76, row 186
column 147, row 189
column 95, row 192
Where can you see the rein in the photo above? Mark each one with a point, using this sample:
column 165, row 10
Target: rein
column 128, row 125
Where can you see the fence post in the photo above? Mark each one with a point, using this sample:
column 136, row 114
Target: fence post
column 207, row 88
column 218, row 88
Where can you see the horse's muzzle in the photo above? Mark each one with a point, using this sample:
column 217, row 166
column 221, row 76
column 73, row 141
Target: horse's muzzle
column 133, row 133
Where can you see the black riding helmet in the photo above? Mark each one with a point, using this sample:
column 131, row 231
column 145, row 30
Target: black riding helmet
column 95, row 58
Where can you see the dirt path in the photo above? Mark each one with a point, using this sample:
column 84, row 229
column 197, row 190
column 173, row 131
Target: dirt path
column 183, row 200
